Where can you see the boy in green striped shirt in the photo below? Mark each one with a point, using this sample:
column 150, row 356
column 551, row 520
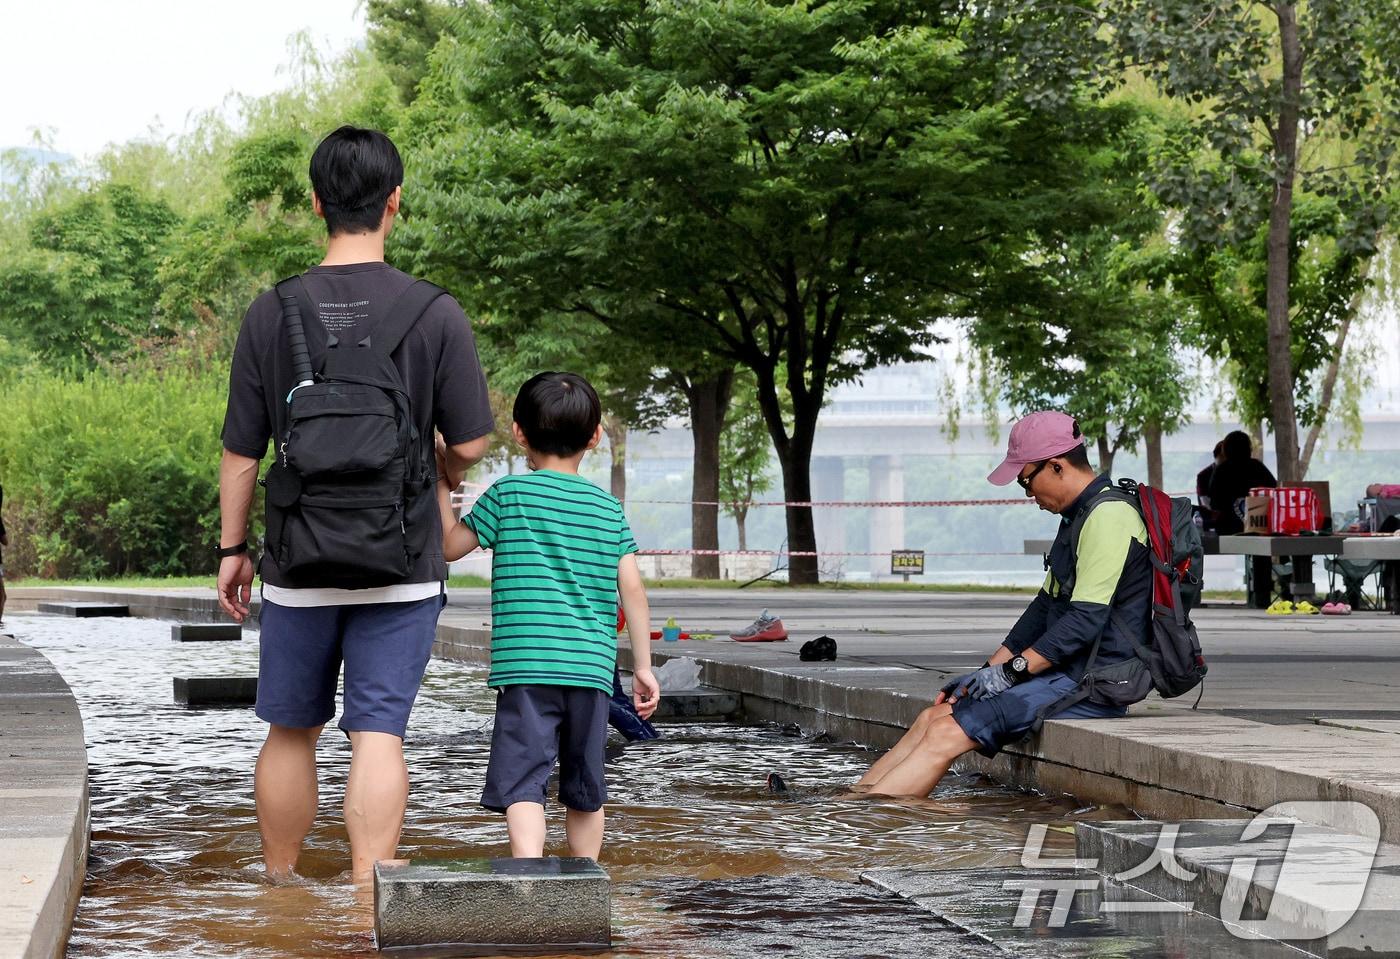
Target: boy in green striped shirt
column 563, row 555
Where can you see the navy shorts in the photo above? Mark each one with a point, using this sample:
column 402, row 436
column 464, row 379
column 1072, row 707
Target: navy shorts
column 385, row 648
column 1009, row 716
column 535, row 725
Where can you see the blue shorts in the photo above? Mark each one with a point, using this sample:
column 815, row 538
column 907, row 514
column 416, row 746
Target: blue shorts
column 1010, row 716
column 385, row 648
column 537, row 724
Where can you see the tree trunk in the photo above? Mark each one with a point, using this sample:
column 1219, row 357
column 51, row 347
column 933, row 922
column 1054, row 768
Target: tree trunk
column 1152, row 437
column 797, row 488
column 1105, row 455
column 616, row 432
column 1329, row 379
column 741, row 515
column 1281, row 406
column 709, row 402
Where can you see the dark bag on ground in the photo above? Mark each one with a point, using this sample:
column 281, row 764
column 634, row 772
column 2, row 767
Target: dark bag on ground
column 351, row 501
column 1169, row 657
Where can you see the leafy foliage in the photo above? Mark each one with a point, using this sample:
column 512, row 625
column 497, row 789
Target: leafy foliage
column 86, row 282
column 799, row 189
column 111, row 474
column 1281, row 175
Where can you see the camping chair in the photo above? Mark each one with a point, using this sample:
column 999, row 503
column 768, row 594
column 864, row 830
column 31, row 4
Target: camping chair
column 1281, row 579
column 1354, row 574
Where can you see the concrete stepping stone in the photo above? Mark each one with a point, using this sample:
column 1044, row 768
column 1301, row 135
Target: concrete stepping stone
column 205, row 632
column 693, row 705
column 216, row 690
column 1023, row 912
column 85, row 610
column 489, row 906
column 1328, row 891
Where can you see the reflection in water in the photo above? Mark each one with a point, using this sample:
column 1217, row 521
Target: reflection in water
column 704, row 861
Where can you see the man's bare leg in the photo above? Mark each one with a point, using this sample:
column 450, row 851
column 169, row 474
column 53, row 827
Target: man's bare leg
column 376, row 794
column 920, row 771
column 585, row 832
column 906, row 745
column 284, row 790
column 526, row 827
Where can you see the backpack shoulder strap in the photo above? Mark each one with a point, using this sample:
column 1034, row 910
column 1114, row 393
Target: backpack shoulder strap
column 405, row 313
column 1112, row 493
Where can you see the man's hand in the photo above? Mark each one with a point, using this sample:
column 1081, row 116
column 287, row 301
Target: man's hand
column 989, row 681
column 952, row 691
column 236, row 585
column 646, row 692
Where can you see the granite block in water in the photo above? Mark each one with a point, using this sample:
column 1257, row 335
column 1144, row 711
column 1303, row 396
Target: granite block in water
column 489, row 906
column 216, row 690
column 205, row 632
column 84, row 610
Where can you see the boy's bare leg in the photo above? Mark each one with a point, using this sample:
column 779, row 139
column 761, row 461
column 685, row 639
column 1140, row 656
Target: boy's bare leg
column 906, row 745
column 2, row 597
column 942, row 742
column 375, row 796
column 585, row 832
column 284, row 790
column 525, row 825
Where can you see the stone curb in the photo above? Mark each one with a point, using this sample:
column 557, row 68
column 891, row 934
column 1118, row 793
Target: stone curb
column 44, row 811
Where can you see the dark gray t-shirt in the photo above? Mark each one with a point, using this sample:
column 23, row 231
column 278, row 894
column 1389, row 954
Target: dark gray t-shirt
column 437, row 360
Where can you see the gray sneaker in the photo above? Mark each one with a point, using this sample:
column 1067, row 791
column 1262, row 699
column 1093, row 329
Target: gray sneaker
column 766, row 629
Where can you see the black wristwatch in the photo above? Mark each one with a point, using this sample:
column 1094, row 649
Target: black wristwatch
column 1017, row 669
column 224, row 552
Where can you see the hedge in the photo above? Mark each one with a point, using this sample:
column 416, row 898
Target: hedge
column 111, row 474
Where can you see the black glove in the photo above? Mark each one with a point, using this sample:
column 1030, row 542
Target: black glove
column 954, row 687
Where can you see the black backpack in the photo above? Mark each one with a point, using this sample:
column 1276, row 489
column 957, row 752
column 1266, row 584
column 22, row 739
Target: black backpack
column 350, row 494
column 1169, row 657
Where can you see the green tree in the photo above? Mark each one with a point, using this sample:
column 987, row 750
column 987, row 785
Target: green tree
column 794, row 189
column 1291, row 107
column 84, row 285
column 1091, row 334
column 745, row 452
column 402, row 33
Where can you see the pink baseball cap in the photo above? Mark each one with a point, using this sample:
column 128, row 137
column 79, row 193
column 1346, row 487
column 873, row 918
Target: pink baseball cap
column 1036, row 437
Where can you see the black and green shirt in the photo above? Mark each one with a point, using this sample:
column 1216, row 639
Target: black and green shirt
column 557, row 540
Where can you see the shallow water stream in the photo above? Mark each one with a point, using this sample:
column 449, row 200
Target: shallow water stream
column 704, row 862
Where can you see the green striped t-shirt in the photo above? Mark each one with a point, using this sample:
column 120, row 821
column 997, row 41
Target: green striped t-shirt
column 557, row 540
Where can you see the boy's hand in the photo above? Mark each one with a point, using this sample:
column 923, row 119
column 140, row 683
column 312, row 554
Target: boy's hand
column 440, row 454
column 646, row 692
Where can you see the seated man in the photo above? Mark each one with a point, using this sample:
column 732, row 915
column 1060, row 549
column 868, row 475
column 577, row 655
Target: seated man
column 1036, row 671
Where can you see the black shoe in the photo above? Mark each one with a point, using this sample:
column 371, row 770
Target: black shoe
column 776, row 786
column 823, row 648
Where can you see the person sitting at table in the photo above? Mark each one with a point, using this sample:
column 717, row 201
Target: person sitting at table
column 1237, row 474
column 1203, row 479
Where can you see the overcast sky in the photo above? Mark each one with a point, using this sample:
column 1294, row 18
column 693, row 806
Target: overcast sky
column 94, row 72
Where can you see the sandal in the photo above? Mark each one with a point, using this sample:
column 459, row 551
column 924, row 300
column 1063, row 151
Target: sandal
column 1303, row 606
column 1281, row 607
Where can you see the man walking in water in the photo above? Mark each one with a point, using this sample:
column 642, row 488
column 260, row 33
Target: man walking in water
column 382, row 634
column 1044, row 656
